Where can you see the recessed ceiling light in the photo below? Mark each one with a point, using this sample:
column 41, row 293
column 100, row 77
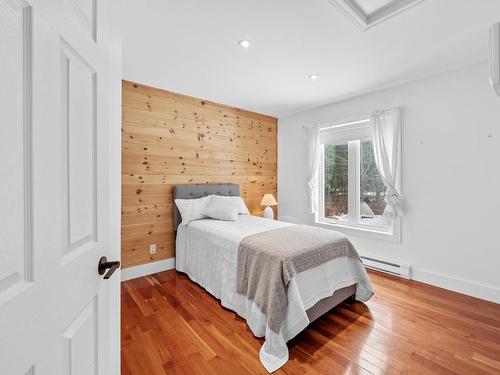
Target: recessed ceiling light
column 313, row 76
column 244, row 43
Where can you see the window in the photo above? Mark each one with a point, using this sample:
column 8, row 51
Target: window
column 352, row 194
column 371, row 188
column 336, row 181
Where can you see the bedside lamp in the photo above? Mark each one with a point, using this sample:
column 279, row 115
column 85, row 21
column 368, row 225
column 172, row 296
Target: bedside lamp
column 268, row 200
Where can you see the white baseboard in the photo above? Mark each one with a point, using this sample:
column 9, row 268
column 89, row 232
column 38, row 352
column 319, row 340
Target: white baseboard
column 147, row 269
column 458, row 285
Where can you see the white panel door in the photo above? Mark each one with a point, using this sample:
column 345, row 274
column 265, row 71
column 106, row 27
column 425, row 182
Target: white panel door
column 59, row 187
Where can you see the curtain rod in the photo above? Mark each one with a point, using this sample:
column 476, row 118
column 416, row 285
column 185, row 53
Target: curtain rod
column 341, row 124
column 350, row 122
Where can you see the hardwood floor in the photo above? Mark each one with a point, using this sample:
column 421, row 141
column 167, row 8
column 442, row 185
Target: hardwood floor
column 170, row 325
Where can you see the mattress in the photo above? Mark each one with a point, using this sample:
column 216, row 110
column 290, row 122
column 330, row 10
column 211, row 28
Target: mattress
column 207, row 251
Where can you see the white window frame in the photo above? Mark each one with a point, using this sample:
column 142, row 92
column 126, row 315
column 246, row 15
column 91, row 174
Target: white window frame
column 353, row 225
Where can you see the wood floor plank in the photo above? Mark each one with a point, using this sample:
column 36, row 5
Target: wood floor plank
column 170, row 325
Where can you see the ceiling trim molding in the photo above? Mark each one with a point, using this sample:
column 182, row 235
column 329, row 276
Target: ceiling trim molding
column 364, row 21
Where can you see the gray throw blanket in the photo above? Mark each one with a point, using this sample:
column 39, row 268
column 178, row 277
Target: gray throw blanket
column 268, row 260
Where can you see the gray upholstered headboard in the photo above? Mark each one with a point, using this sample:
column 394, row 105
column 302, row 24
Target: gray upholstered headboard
column 193, row 191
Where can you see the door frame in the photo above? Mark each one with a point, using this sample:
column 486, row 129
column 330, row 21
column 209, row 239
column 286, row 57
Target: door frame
column 112, row 13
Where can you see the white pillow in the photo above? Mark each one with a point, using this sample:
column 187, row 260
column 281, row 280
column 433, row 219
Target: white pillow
column 242, row 207
column 222, row 209
column 192, row 209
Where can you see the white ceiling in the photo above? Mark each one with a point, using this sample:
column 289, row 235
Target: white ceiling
column 190, row 47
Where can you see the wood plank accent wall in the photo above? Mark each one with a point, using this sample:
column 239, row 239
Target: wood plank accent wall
column 170, row 139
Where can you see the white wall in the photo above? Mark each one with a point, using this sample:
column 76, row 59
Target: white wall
column 451, row 177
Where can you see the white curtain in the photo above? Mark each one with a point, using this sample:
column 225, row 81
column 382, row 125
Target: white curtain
column 386, row 137
column 312, row 167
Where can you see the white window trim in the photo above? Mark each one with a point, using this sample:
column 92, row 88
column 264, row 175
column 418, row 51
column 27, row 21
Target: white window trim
column 353, row 227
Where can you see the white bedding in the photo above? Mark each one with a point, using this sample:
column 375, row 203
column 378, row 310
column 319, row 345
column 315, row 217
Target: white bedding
column 207, row 250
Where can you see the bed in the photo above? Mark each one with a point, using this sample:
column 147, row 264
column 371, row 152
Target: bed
column 207, row 251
